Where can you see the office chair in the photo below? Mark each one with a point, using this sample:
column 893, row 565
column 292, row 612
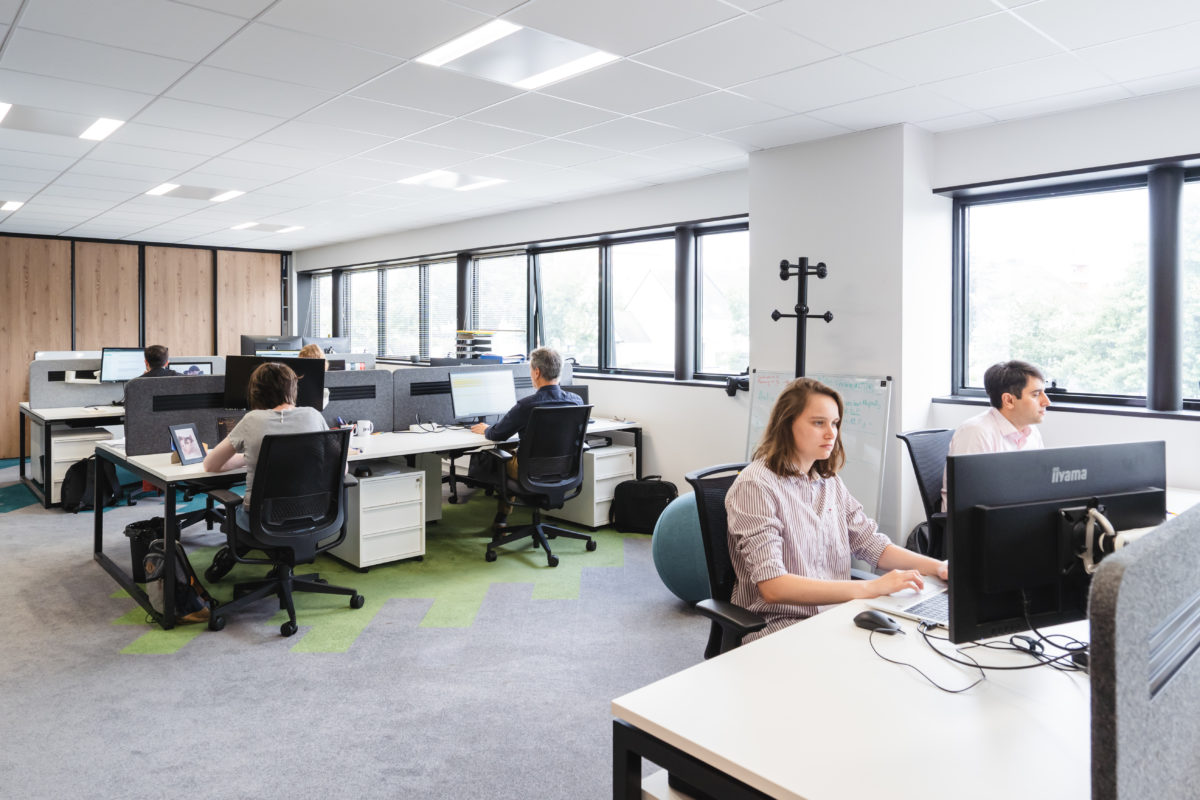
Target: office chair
column 928, row 450
column 549, row 472
column 299, row 511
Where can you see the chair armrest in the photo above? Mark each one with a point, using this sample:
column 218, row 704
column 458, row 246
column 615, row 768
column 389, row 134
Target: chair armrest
column 226, row 497
column 862, row 575
column 497, row 453
column 349, row 480
column 730, row 616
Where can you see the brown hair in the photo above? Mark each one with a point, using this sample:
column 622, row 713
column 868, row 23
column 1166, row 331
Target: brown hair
column 312, row 351
column 272, row 384
column 777, row 447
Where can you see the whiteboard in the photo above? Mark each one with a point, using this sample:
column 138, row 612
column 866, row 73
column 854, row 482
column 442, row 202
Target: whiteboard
column 867, row 401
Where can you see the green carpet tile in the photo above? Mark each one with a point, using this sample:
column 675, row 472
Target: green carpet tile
column 453, row 575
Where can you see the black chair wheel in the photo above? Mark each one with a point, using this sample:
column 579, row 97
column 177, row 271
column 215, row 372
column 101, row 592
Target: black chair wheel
column 452, row 499
column 591, row 545
column 420, row 558
column 320, row 580
column 357, row 601
column 288, row 628
column 550, row 535
column 216, row 623
column 552, row 560
column 490, row 555
column 222, row 563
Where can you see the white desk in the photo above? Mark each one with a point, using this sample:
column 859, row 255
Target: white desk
column 811, row 712
column 40, row 478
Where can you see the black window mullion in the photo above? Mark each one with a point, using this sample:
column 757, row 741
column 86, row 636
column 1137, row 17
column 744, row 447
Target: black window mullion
column 686, row 298
column 534, row 336
column 604, row 342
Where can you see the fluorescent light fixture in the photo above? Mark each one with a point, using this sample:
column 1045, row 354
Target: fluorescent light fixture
column 563, row 71
column 243, row 226
column 162, row 189
column 4, row 107
column 11, row 205
column 223, row 196
column 438, row 178
column 101, row 128
column 468, row 42
column 470, row 187
column 292, row 228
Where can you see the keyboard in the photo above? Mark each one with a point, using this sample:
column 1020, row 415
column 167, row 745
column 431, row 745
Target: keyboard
column 935, row 609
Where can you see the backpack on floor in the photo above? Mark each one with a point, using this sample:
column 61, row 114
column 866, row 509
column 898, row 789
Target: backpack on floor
column 637, row 504
column 78, row 485
column 193, row 603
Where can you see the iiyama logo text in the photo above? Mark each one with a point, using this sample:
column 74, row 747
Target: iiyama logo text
column 1067, row 475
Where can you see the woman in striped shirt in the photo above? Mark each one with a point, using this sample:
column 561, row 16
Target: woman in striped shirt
column 793, row 525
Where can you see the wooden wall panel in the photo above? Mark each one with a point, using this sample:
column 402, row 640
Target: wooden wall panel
column 248, row 297
column 179, row 300
column 35, row 284
column 106, row 295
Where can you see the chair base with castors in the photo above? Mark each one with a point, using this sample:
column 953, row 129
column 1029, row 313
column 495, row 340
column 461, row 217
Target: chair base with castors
column 282, row 582
column 540, row 533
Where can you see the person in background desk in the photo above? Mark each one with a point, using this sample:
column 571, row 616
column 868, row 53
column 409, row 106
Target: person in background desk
column 157, row 358
column 272, row 410
column 1017, row 392
column 545, row 365
column 315, row 351
column 793, row 524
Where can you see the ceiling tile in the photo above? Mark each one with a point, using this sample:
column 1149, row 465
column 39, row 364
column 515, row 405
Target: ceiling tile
column 555, row 152
column 985, row 43
column 255, row 173
column 168, row 113
column 246, row 9
column 1187, row 79
column 75, row 60
column 1080, row 23
column 366, row 167
column 31, row 174
column 174, row 30
column 434, row 89
column 184, row 141
column 500, row 167
column 474, row 137
column 628, row 134
column 715, row 112
column 34, row 160
column 700, row 150
column 799, row 128
column 43, row 143
column 838, row 80
column 623, row 27
column 149, row 174
column 226, row 89
column 1049, row 105
column 847, row 27
column 627, row 88
column 372, row 116
column 969, row 119
column 1145, row 56
column 1018, row 83
column 40, row 91
column 280, row 155
column 128, row 154
column 298, row 58
column 749, row 48
column 906, row 105
column 405, row 29
column 419, row 154
column 543, row 115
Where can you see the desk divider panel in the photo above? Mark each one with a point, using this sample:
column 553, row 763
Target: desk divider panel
column 153, row 405
column 423, row 394
column 360, row 394
column 49, row 387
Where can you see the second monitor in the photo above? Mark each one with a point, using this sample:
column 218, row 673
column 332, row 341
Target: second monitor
column 476, row 393
column 310, row 371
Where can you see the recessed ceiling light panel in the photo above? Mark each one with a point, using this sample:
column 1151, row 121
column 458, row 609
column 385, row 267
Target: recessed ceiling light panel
column 243, row 226
column 444, row 179
column 223, row 196
column 528, row 56
column 101, row 128
column 11, row 205
column 480, row 37
column 163, row 188
column 4, row 107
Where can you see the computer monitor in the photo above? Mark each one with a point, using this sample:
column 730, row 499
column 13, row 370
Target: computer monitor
column 277, row 353
column 579, row 389
column 330, row 344
column 252, row 344
column 1016, row 526
column 309, row 392
column 476, row 393
column 192, row 367
column 121, row 364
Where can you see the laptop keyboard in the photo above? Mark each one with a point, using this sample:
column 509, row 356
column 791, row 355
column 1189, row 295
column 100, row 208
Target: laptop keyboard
column 935, row 609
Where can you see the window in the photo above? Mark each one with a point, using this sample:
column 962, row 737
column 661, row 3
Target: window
column 441, row 309
column 402, row 311
column 643, row 297
column 362, row 311
column 1189, row 254
column 321, row 306
column 723, row 324
column 570, row 295
column 501, row 302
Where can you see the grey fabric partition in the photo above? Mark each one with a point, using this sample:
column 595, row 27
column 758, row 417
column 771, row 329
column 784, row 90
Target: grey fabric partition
column 49, row 388
column 1145, row 628
column 360, row 394
column 153, row 405
column 423, row 393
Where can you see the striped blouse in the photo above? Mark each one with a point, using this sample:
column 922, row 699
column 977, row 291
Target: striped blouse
column 798, row 525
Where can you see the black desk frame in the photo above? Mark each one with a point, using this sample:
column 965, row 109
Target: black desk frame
column 41, row 490
column 688, row 773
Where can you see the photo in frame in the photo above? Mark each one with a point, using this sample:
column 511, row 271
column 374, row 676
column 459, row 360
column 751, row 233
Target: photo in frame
column 185, row 439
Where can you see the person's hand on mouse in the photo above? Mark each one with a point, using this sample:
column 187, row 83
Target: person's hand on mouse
column 895, row 581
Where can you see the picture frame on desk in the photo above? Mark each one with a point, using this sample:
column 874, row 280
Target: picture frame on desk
column 185, row 440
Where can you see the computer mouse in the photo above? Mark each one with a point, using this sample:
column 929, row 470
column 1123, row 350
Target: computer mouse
column 873, row 620
column 362, row 471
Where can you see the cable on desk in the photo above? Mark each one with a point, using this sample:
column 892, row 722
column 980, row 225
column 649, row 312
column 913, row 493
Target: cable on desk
column 1062, row 662
column 982, row 676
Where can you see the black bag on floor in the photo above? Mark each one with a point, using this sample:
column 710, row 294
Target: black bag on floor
column 637, row 504
column 78, row 485
column 193, row 603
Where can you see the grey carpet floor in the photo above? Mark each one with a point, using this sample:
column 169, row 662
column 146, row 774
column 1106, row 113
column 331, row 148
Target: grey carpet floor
column 514, row 706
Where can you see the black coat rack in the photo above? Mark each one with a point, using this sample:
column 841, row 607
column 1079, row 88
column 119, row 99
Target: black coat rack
column 802, row 270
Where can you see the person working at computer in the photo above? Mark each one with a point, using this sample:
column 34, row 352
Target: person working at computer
column 157, row 358
column 545, row 365
column 315, row 351
column 793, row 525
column 1017, row 392
column 273, row 410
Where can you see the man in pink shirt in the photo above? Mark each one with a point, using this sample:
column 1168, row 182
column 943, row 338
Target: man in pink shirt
column 1017, row 391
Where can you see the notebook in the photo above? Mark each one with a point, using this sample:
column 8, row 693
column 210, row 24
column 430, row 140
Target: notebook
column 931, row 604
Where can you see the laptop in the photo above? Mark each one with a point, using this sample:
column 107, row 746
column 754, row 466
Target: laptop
column 931, row 604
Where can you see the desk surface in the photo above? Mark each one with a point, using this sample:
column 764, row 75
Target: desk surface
column 811, row 712
column 73, row 412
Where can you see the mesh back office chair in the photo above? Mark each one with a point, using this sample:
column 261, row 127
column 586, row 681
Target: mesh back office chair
column 549, row 472
column 928, row 450
column 298, row 512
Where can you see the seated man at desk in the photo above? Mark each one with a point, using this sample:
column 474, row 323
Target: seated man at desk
column 1017, row 392
column 545, row 365
column 157, row 360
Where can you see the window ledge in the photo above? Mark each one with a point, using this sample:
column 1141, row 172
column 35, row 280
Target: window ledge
column 580, row 376
column 1085, row 408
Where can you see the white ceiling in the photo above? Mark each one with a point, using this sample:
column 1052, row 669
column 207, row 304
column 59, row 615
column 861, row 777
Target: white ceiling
column 315, row 109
